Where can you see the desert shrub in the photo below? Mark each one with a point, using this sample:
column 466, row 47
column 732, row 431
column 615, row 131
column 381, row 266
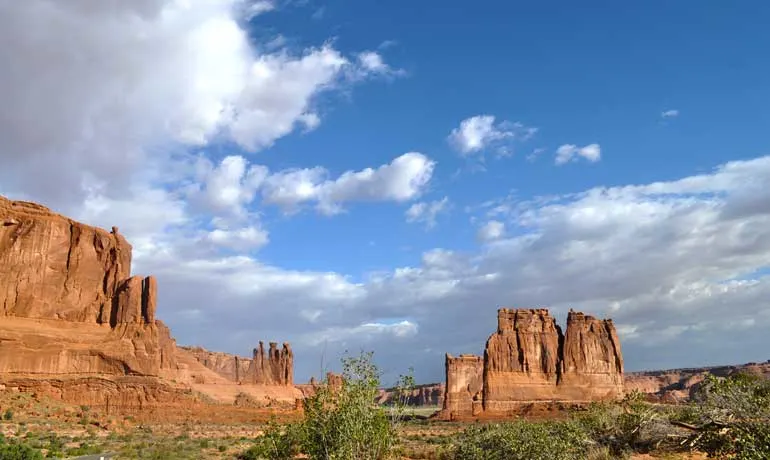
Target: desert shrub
column 8, row 415
column 18, row 451
column 279, row 442
column 632, row 425
column 733, row 417
column 339, row 423
column 521, row 440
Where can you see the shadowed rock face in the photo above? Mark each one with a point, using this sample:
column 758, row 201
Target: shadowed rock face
column 68, row 303
column 528, row 359
column 521, row 360
column 592, row 364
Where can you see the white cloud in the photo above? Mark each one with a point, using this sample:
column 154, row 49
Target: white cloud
column 228, row 187
column 663, row 259
column 372, row 63
column 98, row 89
column 362, row 333
column 244, row 239
column 672, row 113
column 279, row 93
column 252, row 9
column 571, row 152
column 426, row 212
column 478, row 133
column 402, row 179
column 492, row 230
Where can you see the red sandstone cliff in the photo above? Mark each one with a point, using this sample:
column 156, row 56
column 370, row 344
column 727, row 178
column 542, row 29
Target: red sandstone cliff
column 74, row 323
column 528, row 359
column 57, row 278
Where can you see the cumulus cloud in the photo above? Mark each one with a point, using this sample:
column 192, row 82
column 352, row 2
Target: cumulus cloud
column 243, row 239
column 571, row 152
column 425, row 212
column 229, row 187
column 663, row 259
column 99, row 88
column 481, row 132
column 492, row 230
column 402, row 179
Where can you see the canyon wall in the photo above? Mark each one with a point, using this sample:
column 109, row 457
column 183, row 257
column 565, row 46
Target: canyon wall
column 528, row 359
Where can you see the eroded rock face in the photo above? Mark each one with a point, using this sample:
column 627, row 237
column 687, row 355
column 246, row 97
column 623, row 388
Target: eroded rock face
column 52, row 267
column 275, row 368
column 528, row 359
column 464, row 384
column 265, row 367
column 521, row 360
column 68, row 303
column 592, row 364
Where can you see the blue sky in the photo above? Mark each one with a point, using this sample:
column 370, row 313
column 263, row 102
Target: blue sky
column 384, row 175
column 598, row 72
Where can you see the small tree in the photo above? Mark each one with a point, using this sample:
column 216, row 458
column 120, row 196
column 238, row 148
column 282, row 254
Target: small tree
column 340, row 423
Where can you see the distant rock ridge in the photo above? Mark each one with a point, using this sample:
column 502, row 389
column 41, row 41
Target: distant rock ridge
column 679, row 385
column 266, row 367
column 529, row 359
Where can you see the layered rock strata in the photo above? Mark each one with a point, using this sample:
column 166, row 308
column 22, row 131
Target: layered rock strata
column 528, row 359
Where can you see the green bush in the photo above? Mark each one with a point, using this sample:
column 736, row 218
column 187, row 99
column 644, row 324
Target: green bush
column 733, row 417
column 8, row 415
column 339, row 423
column 15, row 451
column 521, row 440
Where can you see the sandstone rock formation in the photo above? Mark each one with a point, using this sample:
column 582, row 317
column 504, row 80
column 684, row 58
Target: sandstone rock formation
column 232, row 367
column 521, row 360
column 65, row 276
column 431, row 394
column 679, row 385
column 75, row 325
column 275, row 368
column 528, row 359
column 592, row 364
column 464, row 384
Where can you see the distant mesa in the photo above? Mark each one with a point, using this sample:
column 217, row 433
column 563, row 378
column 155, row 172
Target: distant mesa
column 529, row 360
